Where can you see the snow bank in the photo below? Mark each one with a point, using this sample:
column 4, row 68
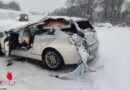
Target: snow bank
column 9, row 19
column 114, row 55
column 103, row 25
column 6, row 25
column 10, row 14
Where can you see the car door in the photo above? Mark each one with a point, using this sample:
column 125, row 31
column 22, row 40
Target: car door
column 40, row 41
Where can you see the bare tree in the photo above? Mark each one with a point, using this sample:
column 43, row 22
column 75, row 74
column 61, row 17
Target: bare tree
column 11, row 5
column 97, row 10
column 1, row 4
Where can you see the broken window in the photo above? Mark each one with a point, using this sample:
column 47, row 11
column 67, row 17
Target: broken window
column 71, row 29
column 59, row 24
column 84, row 25
column 64, row 25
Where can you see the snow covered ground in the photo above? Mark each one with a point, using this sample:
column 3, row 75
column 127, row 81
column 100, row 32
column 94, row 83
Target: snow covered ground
column 114, row 54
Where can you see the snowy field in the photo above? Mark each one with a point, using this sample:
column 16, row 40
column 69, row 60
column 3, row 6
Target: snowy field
column 114, row 54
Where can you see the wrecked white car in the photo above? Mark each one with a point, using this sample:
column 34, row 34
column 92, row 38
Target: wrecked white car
column 50, row 41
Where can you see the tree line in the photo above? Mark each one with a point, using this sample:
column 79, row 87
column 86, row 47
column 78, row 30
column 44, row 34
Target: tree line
column 11, row 5
column 112, row 11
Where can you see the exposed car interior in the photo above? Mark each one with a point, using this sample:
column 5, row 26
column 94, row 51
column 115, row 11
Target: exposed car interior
column 28, row 34
column 25, row 36
column 61, row 23
column 84, row 25
column 17, row 43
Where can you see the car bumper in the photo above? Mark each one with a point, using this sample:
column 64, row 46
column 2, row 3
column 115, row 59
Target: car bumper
column 73, row 56
column 93, row 49
column 23, row 19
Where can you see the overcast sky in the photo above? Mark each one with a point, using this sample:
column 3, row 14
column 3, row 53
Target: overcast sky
column 39, row 5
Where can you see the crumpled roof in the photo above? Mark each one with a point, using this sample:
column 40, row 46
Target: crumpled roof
column 67, row 18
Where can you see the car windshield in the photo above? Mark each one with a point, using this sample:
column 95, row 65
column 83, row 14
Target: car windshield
column 84, row 25
column 22, row 15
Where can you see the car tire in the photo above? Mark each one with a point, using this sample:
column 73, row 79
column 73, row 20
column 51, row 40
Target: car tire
column 52, row 59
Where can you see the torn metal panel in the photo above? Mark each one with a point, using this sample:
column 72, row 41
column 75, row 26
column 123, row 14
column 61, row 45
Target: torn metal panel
column 78, row 41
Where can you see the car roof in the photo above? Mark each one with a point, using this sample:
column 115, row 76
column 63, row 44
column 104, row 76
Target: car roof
column 23, row 14
column 67, row 18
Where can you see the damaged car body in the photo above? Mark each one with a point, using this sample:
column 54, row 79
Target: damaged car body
column 49, row 40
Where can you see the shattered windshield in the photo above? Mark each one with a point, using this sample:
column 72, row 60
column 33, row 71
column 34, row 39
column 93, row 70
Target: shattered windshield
column 84, row 25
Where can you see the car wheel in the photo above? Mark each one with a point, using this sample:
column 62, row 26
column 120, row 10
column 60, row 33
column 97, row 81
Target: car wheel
column 52, row 59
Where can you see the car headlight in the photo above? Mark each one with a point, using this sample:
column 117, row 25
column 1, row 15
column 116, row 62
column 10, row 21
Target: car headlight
column 19, row 17
column 26, row 17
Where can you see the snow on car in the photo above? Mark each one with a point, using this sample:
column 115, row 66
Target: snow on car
column 50, row 41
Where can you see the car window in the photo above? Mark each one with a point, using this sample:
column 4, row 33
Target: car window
column 84, row 25
column 71, row 29
column 33, row 29
column 19, row 29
